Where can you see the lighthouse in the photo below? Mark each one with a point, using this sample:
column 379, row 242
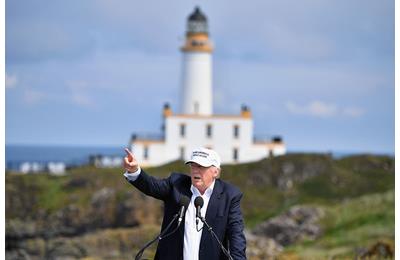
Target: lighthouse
column 195, row 124
column 196, row 85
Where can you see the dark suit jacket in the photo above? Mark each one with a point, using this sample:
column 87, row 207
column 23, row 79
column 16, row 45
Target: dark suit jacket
column 223, row 215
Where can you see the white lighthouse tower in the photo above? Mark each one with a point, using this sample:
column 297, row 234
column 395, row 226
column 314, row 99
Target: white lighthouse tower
column 196, row 88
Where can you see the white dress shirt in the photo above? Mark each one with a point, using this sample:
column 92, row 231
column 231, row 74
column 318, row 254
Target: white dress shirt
column 192, row 237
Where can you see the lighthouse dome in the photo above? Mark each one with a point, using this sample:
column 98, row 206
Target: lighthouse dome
column 197, row 15
column 197, row 22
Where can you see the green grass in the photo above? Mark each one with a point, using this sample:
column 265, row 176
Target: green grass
column 352, row 224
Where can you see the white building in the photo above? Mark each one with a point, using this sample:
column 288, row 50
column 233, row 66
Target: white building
column 53, row 168
column 105, row 161
column 196, row 125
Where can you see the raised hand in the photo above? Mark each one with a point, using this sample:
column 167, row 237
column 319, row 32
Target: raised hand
column 130, row 163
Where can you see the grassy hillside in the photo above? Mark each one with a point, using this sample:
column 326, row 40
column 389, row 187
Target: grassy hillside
column 270, row 186
column 350, row 226
column 356, row 193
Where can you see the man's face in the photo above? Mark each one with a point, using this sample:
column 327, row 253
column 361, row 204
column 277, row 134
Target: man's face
column 202, row 177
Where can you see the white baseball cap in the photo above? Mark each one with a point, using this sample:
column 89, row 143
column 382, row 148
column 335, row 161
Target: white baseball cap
column 205, row 157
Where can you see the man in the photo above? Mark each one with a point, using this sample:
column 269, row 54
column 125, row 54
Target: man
column 221, row 208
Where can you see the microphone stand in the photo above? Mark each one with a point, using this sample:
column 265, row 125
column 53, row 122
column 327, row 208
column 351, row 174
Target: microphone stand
column 216, row 238
column 159, row 237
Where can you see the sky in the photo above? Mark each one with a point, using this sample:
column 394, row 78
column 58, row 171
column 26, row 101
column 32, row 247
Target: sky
column 318, row 73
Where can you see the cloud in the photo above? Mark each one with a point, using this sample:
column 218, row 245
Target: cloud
column 79, row 96
column 322, row 109
column 309, row 31
column 76, row 84
column 96, row 25
column 33, row 41
column 33, row 97
column 11, row 81
column 353, row 111
column 315, row 108
column 82, row 100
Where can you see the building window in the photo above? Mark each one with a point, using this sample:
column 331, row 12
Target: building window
column 236, row 131
column 146, row 152
column 235, row 154
column 270, row 153
column 182, row 130
column 197, row 43
column 208, row 130
column 182, row 153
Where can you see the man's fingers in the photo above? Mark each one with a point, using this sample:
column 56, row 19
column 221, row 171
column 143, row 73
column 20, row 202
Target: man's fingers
column 126, row 160
column 130, row 163
column 129, row 153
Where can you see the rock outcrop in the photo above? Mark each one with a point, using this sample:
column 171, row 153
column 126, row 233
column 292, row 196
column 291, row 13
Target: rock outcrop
column 300, row 222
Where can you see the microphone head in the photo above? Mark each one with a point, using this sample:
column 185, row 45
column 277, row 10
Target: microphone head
column 198, row 202
column 184, row 201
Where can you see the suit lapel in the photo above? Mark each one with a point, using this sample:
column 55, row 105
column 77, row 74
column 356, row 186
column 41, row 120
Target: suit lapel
column 213, row 204
column 212, row 210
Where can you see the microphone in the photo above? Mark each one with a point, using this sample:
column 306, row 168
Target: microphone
column 183, row 203
column 198, row 203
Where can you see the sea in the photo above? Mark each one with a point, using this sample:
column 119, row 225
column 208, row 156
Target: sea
column 71, row 156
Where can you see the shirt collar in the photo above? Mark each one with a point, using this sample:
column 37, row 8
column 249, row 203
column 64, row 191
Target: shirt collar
column 207, row 193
